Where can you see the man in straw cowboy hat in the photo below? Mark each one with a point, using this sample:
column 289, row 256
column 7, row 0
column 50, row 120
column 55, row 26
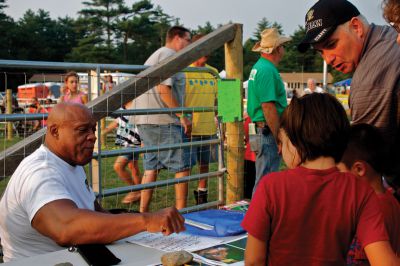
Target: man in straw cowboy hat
column 266, row 101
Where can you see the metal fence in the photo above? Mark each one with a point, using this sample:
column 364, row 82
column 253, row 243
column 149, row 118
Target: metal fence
column 104, row 105
column 101, row 153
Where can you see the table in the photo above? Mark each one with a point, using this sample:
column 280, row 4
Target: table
column 130, row 254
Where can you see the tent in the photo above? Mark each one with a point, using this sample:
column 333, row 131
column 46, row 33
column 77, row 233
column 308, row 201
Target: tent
column 345, row 82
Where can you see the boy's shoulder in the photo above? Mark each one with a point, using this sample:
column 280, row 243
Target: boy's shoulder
column 302, row 174
column 281, row 177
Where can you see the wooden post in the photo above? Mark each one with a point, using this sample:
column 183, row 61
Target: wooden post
column 234, row 130
column 103, row 138
column 9, row 111
column 94, row 90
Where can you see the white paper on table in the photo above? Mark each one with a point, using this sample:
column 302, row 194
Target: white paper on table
column 173, row 242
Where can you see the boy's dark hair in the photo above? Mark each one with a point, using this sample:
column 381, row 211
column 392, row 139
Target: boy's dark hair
column 317, row 125
column 176, row 30
column 365, row 143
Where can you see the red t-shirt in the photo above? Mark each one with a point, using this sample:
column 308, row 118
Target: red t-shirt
column 391, row 214
column 309, row 217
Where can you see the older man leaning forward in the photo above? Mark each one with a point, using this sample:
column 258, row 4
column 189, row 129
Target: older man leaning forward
column 347, row 42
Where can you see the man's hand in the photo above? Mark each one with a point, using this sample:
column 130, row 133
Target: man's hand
column 186, row 124
column 166, row 221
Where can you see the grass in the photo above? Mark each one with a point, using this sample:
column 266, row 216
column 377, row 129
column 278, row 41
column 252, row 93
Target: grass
column 162, row 196
column 4, row 144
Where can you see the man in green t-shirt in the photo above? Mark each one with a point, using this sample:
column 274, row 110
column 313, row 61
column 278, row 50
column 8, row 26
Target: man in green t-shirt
column 266, row 101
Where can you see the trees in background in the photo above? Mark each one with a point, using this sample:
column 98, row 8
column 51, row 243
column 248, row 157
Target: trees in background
column 109, row 31
column 6, row 32
column 294, row 61
column 250, row 57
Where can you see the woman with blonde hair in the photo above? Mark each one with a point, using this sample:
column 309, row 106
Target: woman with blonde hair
column 71, row 90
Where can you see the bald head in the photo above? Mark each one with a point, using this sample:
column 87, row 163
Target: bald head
column 65, row 112
column 71, row 133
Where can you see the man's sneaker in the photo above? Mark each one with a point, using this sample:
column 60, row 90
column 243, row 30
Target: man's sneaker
column 200, row 196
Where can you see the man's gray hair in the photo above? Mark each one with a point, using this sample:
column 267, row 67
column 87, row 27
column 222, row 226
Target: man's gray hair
column 363, row 20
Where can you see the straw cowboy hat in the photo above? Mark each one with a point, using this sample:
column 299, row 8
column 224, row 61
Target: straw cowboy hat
column 270, row 39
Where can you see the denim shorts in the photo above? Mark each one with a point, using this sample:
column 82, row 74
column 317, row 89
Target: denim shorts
column 206, row 153
column 176, row 160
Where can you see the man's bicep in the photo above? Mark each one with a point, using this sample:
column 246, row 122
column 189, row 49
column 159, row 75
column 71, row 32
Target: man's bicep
column 53, row 217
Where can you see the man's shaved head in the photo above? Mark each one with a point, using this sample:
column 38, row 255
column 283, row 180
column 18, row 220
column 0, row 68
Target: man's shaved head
column 70, row 133
column 66, row 112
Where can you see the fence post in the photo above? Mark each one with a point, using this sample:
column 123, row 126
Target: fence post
column 94, row 77
column 234, row 130
column 9, row 111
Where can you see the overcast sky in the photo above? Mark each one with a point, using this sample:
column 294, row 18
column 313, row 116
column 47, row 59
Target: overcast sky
column 290, row 13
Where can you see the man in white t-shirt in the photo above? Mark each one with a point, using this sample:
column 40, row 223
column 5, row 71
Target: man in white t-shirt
column 165, row 129
column 312, row 87
column 48, row 203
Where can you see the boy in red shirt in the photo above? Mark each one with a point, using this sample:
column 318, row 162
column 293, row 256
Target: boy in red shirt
column 308, row 215
column 364, row 157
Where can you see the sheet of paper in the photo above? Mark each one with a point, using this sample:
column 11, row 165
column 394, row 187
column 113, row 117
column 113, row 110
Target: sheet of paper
column 174, row 242
column 230, row 253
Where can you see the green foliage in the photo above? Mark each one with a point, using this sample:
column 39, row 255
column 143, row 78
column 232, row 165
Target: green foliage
column 38, row 37
column 263, row 24
column 7, row 33
column 338, row 76
column 98, row 22
column 139, row 32
column 217, row 58
column 250, row 57
column 294, row 61
column 109, row 31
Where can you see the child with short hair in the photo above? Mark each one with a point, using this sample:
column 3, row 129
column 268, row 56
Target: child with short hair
column 127, row 136
column 309, row 214
column 364, row 157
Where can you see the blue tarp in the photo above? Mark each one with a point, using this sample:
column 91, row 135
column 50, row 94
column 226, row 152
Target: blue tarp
column 345, row 82
column 226, row 223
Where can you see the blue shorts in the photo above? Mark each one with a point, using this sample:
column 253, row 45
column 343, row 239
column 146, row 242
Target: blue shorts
column 206, row 153
column 176, row 160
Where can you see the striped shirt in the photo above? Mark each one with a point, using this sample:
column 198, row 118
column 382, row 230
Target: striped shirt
column 375, row 86
column 127, row 133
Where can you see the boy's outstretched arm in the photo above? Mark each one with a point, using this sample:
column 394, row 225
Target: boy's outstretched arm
column 256, row 251
column 381, row 253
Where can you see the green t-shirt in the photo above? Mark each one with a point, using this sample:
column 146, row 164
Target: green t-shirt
column 265, row 85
